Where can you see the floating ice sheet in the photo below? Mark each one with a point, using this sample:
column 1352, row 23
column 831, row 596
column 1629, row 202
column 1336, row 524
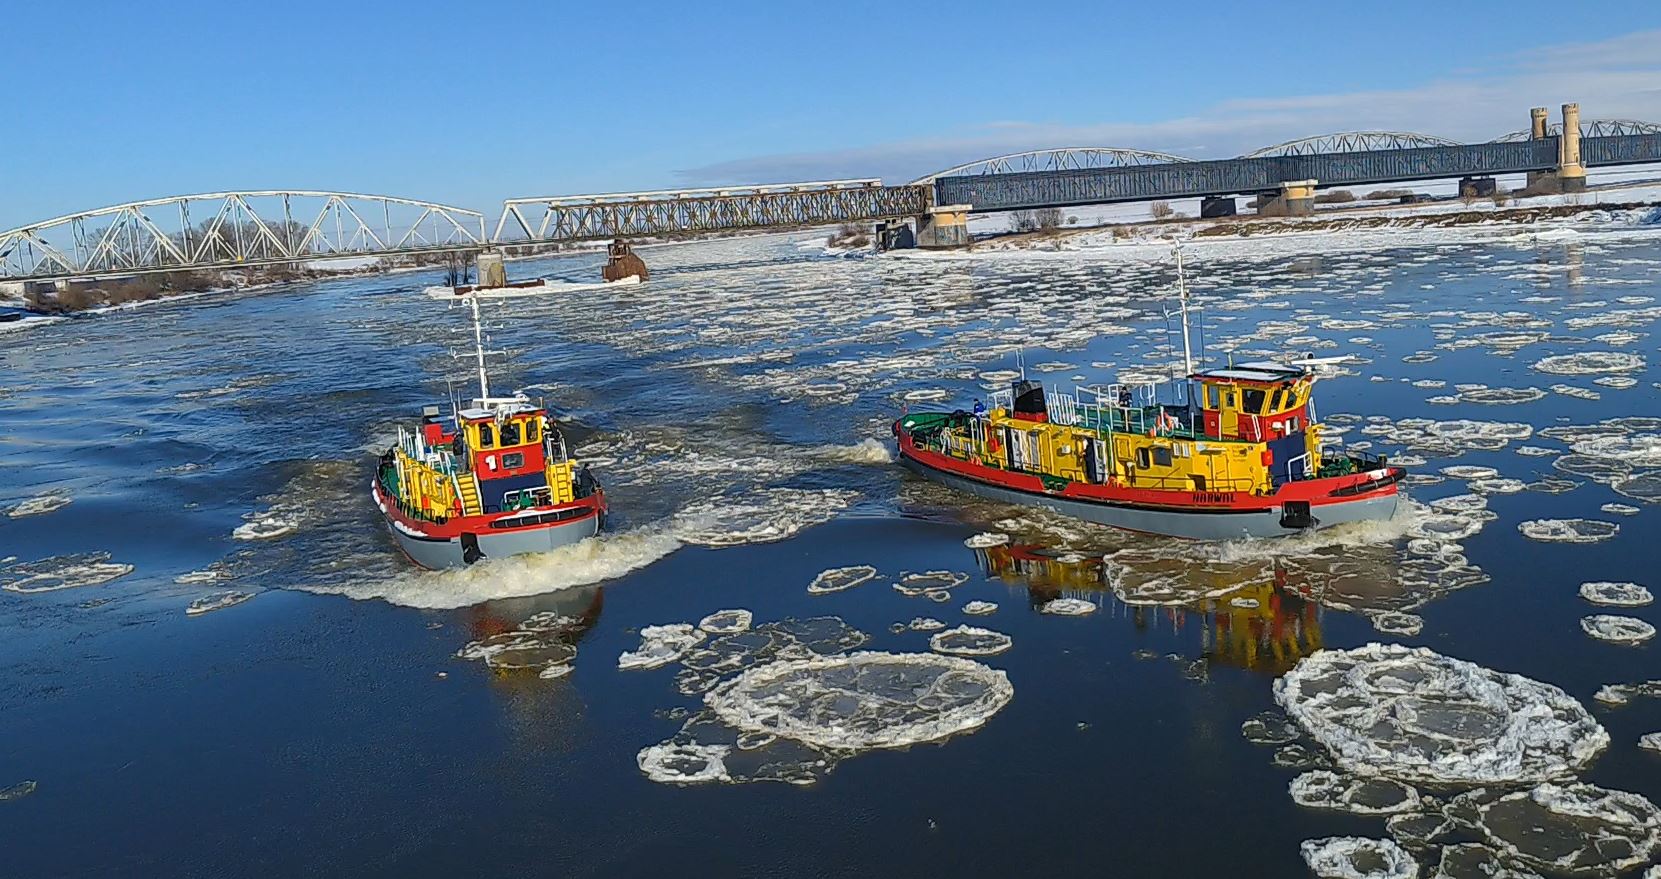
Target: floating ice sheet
column 1568, row 530
column 725, row 622
column 1618, row 629
column 1068, row 607
column 1398, row 623
column 1589, row 363
column 986, row 539
column 1322, row 789
column 863, row 700
column 980, row 608
column 211, row 603
column 60, row 572
column 914, row 585
column 661, row 645
column 1269, row 728
column 684, row 764
column 757, row 517
column 1473, row 860
column 970, row 641
column 838, row 579
column 1355, row 857
column 1616, row 594
column 17, row 791
column 39, row 505
column 1572, row 830
column 1414, row 715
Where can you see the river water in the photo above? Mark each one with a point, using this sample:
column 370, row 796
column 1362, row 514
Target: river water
column 736, row 407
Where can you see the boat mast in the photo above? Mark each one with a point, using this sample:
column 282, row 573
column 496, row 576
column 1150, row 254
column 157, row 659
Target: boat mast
column 478, row 345
column 1182, row 297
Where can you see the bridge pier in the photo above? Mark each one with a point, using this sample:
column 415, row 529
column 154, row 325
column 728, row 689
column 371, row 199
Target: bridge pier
column 1217, row 206
column 1295, row 198
column 1477, row 187
column 492, row 271
column 1536, row 131
column 943, row 227
column 894, row 235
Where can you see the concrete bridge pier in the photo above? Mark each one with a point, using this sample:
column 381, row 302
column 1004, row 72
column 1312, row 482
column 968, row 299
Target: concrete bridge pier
column 944, row 226
column 894, row 235
column 492, row 271
column 1295, row 198
column 1477, row 187
column 1217, row 206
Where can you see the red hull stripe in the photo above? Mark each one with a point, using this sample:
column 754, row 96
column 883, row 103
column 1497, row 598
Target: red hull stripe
column 593, row 505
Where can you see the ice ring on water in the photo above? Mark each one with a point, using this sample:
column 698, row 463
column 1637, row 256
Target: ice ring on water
column 986, row 539
column 684, row 764
column 1470, row 471
column 1619, row 629
column 863, row 700
column 1616, row 594
column 980, row 608
column 1573, row 829
column 1269, row 728
column 1589, row 363
column 1355, row 857
column 1568, row 530
column 925, row 624
column 838, row 579
column 1323, row 789
column 1644, row 486
column 725, row 622
column 1444, row 527
column 661, row 645
column 1395, row 622
column 970, row 641
column 1415, row 715
column 1068, row 607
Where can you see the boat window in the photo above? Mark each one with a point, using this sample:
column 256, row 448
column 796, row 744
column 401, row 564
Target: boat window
column 487, row 437
column 510, row 433
column 1161, row 456
column 517, row 459
column 530, row 431
column 1210, row 396
column 1142, row 457
column 1280, row 400
column 1255, row 398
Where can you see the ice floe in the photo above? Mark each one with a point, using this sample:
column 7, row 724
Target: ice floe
column 1323, row 789
column 930, row 583
column 1415, row 715
column 661, row 645
column 1068, row 607
column 220, row 601
column 1571, row 829
column 1355, row 857
column 1619, row 629
column 865, row 700
column 1568, row 530
column 1616, row 594
column 60, row 572
column 986, row 539
column 1589, row 363
column 40, row 504
column 684, row 764
column 970, row 641
column 543, row 643
column 725, row 622
column 838, row 579
column 980, row 608
column 17, row 791
column 925, row 624
column 1398, row 623
column 757, row 517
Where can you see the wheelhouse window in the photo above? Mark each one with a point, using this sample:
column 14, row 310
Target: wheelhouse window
column 1280, row 400
column 1255, row 398
column 517, row 459
column 510, row 433
column 531, row 431
column 1210, row 396
column 487, row 437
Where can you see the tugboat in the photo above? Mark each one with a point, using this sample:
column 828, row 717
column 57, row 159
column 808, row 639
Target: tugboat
column 1217, row 454
column 492, row 480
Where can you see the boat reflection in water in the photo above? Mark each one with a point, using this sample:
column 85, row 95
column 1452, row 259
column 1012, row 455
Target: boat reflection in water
column 1266, row 623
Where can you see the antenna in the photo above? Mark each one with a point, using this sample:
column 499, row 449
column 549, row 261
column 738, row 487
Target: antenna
column 1182, row 297
column 478, row 345
column 1021, row 361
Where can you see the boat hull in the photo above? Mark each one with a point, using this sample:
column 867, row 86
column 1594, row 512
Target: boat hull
column 459, row 543
column 1211, row 524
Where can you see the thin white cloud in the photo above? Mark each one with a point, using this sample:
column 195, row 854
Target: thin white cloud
column 1614, row 78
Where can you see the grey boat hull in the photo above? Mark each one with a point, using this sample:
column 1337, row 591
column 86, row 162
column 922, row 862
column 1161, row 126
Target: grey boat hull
column 459, row 552
column 1192, row 525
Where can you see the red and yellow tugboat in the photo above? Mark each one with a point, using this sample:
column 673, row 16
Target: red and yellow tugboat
column 1214, row 455
column 492, row 480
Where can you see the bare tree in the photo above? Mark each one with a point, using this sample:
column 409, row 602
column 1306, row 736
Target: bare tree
column 1161, row 210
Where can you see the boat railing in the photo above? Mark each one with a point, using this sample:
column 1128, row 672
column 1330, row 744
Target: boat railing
column 1298, row 468
column 1062, row 408
column 1004, row 399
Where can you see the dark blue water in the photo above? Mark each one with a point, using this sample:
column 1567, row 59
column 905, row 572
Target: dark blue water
column 325, row 727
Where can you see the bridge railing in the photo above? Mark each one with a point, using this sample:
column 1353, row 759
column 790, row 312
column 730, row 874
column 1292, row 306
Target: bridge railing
column 1629, row 149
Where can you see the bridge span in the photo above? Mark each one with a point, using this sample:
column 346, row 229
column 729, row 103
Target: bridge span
column 225, row 230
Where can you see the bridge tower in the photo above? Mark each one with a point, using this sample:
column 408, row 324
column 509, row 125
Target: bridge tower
column 1536, row 131
column 1571, row 174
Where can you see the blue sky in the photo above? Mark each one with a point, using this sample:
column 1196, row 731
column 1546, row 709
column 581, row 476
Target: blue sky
column 112, row 102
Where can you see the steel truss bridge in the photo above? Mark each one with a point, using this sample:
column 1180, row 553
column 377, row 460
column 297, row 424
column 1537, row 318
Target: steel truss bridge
column 226, row 230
